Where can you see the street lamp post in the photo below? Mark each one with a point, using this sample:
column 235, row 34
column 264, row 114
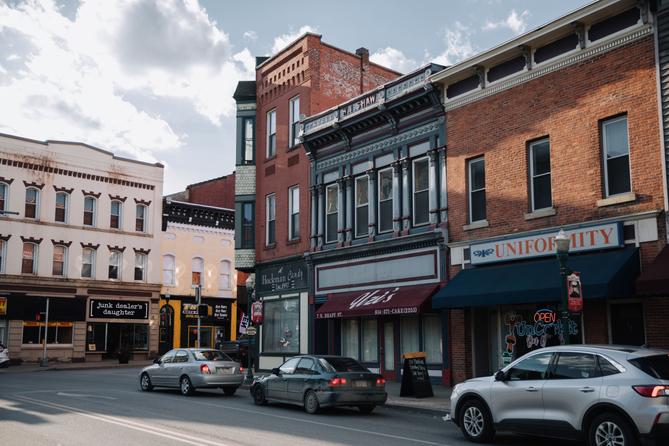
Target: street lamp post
column 250, row 290
column 562, row 242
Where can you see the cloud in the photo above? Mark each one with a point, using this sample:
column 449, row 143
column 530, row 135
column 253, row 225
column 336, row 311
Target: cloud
column 283, row 40
column 76, row 75
column 514, row 22
column 458, row 45
column 250, row 35
column 393, row 58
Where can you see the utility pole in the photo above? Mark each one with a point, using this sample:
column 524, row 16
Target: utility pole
column 45, row 359
column 198, row 297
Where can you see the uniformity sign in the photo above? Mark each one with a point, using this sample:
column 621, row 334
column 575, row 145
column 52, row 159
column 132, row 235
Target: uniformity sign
column 118, row 309
column 282, row 278
column 543, row 244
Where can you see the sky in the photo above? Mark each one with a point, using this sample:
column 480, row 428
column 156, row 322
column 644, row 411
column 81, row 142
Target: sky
column 153, row 79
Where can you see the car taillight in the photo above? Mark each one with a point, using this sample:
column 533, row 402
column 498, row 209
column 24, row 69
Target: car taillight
column 204, row 368
column 241, row 369
column 337, row 382
column 380, row 382
column 652, row 391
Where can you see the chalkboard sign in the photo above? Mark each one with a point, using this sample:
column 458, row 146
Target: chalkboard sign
column 415, row 378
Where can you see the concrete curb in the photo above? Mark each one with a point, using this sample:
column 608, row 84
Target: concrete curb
column 32, row 369
column 420, row 410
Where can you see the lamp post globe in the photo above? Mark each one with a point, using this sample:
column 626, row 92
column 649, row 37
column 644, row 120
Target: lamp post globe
column 562, row 241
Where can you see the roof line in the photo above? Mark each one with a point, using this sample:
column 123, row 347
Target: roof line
column 200, row 205
column 287, row 47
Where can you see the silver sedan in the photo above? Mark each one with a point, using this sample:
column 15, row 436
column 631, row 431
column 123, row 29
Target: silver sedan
column 193, row 368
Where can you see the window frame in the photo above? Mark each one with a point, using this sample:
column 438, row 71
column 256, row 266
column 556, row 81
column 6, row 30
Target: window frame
column 248, row 240
column 334, row 186
column 270, row 197
column 4, row 195
column 270, row 123
column 35, row 257
column 93, row 256
column 530, row 150
column 141, row 266
column 37, row 202
column 64, row 261
column 414, row 192
column 193, row 271
column 119, row 226
column 245, row 138
column 144, row 219
column 471, row 191
column 292, row 233
column 66, row 207
column 173, row 270
column 118, row 265
column 3, row 255
column 221, row 273
column 379, row 201
column 605, row 160
column 94, row 213
column 364, row 178
column 293, row 121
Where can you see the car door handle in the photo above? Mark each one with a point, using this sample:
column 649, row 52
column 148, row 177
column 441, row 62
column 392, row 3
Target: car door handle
column 531, row 389
column 586, row 389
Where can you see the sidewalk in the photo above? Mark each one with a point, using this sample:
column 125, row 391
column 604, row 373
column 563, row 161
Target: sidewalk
column 439, row 404
column 54, row 365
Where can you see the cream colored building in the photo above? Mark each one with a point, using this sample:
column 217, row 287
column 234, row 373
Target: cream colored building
column 197, row 247
column 79, row 227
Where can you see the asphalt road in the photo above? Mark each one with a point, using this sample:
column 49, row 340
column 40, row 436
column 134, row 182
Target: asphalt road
column 106, row 407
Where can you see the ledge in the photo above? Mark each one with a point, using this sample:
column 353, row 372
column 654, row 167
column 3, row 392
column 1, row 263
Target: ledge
column 541, row 213
column 476, row 225
column 294, row 241
column 617, row 199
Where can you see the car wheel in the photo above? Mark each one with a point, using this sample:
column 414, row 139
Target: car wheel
column 611, row 429
column 259, row 396
column 145, row 382
column 475, row 422
column 367, row 408
column 186, row 386
column 311, row 405
column 229, row 390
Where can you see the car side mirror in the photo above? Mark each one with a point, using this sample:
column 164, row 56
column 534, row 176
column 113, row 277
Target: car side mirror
column 276, row 371
column 156, row 361
column 500, row 376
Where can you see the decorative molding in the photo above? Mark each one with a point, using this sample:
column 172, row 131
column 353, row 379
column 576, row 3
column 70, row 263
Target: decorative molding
column 200, row 229
column 89, row 245
column 141, row 251
column 61, row 242
column 117, row 197
column 33, row 184
column 91, row 194
column 6, row 180
column 63, row 189
column 31, row 240
column 536, row 72
column 5, row 237
column 144, row 202
column 115, row 248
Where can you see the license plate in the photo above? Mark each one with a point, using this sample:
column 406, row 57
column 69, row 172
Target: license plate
column 360, row 384
column 225, row 370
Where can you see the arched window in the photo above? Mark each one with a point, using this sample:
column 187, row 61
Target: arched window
column 197, row 269
column 140, row 266
column 90, row 205
column 168, row 270
column 140, row 218
column 29, row 258
column 115, row 216
column 59, row 260
column 62, row 199
column 224, row 275
column 88, row 263
column 32, row 202
column 115, row 259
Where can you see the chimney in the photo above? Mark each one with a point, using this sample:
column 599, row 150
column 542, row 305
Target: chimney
column 363, row 54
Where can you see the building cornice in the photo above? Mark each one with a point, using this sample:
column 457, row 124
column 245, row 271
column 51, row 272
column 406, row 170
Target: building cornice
column 199, row 229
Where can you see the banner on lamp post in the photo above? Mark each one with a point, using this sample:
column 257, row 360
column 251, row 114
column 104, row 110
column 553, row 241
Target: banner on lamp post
column 574, row 293
column 243, row 324
column 256, row 313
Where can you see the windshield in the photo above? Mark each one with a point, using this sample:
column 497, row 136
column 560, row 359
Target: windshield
column 342, row 365
column 655, row 366
column 210, row 355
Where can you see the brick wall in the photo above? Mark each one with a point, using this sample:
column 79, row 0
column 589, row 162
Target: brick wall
column 219, row 192
column 656, row 313
column 595, row 321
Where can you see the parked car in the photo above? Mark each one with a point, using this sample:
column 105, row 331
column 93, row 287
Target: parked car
column 4, row 355
column 192, row 368
column 608, row 395
column 317, row 382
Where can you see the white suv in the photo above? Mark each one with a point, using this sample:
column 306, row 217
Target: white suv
column 609, row 395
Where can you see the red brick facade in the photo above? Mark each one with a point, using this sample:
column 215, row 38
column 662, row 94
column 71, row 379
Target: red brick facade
column 219, row 192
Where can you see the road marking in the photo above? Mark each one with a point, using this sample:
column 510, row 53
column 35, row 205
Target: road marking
column 81, row 395
column 160, row 432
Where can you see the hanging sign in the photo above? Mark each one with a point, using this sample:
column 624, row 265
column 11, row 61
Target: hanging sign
column 574, row 293
column 256, row 313
column 189, row 310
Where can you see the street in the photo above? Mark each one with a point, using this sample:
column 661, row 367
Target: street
column 106, row 407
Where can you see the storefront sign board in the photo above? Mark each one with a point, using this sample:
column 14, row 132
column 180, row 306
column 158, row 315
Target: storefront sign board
column 286, row 277
column 415, row 377
column 118, row 309
column 220, row 311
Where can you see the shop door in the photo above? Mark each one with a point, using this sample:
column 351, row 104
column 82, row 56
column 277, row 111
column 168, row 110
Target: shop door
column 481, row 341
column 388, row 358
column 627, row 324
column 113, row 340
column 166, row 331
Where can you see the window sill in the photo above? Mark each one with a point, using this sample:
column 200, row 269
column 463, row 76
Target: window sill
column 292, row 148
column 269, row 158
column 541, row 213
column 270, row 246
column 476, row 225
column 294, row 241
column 627, row 197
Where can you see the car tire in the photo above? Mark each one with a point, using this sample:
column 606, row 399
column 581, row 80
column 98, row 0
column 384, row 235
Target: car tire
column 366, row 408
column 475, row 422
column 311, row 404
column 611, row 428
column 259, row 396
column 186, row 386
column 145, row 382
column 229, row 390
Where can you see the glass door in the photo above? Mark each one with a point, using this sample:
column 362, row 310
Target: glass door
column 388, row 347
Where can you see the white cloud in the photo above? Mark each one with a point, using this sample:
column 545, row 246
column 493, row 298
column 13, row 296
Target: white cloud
column 515, row 22
column 393, row 58
column 283, row 40
column 457, row 40
column 78, row 74
column 250, row 35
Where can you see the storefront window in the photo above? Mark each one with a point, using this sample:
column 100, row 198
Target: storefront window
column 350, row 329
column 96, row 336
column 432, row 338
column 370, row 349
column 141, row 337
column 57, row 333
column 409, row 335
column 281, row 326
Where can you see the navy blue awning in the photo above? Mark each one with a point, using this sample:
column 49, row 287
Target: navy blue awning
column 603, row 275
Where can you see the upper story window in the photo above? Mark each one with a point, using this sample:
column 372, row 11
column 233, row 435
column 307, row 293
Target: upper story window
column 540, row 175
column 32, row 202
column 248, row 141
column 4, row 196
column 90, row 205
column 115, row 214
column 59, row 260
column 29, row 258
column 476, row 189
column 293, row 212
column 62, row 199
column 140, row 218
column 248, row 225
column 197, row 271
column 331, row 212
column 140, row 266
column 294, row 121
column 168, row 269
column 88, row 263
column 224, row 276
column 616, row 150
column 362, row 206
column 271, row 133
column 386, row 200
column 270, row 216
column 3, row 255
column 115, row 262
column 421, row 192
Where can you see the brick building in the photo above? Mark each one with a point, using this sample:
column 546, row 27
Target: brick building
column 305, row 78
column 218, row 192
column 557, row 128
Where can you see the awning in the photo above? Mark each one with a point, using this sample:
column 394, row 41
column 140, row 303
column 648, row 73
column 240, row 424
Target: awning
column 376, row 302
column 654, row 280
column 603, row 275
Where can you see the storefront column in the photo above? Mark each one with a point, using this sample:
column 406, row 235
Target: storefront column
column 443, row 193
column 371, row 202
column 350, row 208
column 432, row 162
column 341, row 184
column 397, row 219
column 314, row 217
column 406, row 212
column 321, row 216
column 79, row 341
